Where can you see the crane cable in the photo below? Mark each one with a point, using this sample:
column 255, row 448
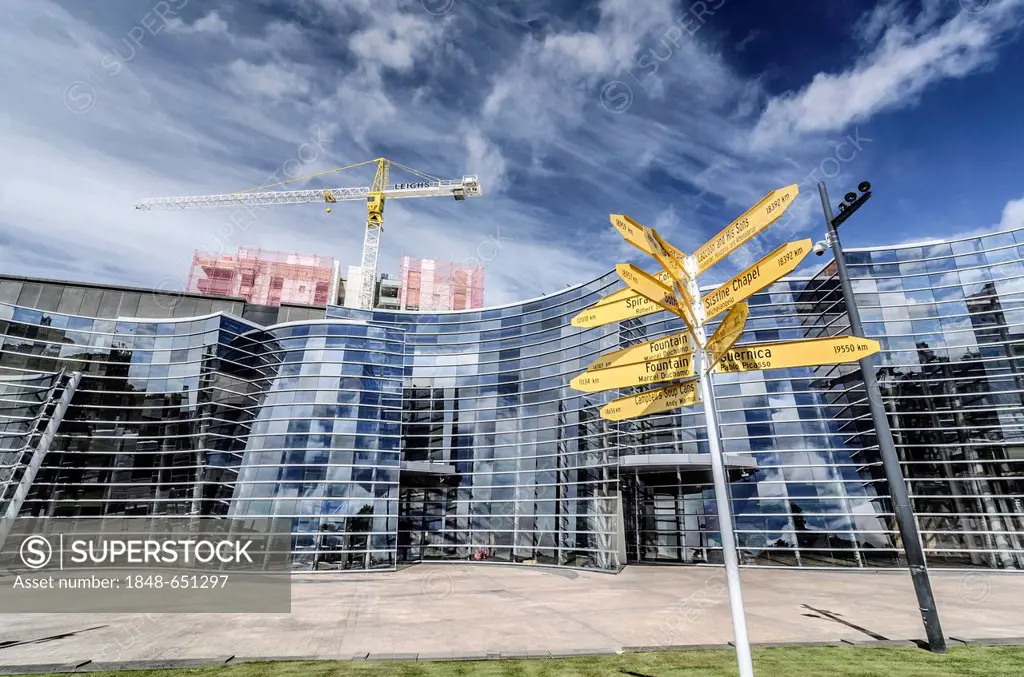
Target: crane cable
column 339, row 169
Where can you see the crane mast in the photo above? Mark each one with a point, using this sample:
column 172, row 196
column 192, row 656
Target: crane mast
column 371, row 238
column 374, row 196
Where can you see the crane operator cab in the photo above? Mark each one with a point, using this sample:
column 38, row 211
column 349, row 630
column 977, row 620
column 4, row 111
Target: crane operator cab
column 375, row 209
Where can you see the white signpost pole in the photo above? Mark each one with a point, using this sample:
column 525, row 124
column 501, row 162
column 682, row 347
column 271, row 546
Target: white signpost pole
column 721, row 481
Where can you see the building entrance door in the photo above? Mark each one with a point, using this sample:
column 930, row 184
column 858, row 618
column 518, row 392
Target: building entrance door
column 665, row 519
column 422, row 515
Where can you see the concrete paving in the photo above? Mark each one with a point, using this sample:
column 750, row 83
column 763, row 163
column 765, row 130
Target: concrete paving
column 435, row 611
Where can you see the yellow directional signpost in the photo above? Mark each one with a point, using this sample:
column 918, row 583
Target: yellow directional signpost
column 633, row 233
column 648, row 286
column 672, row 345
column 627, row 293
column 636, row 305
column 628, row 308
column 666, row 255
column 728, row 332
column 652, row 402
column 681, row 357
column 752, row 222
column 802, row 353
column 642, row 374
column 780, row 262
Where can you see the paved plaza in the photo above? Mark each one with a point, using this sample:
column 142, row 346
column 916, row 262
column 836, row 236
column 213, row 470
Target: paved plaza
column 440, row 610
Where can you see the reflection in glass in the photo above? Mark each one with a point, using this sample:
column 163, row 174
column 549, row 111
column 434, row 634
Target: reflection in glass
column 380, row 438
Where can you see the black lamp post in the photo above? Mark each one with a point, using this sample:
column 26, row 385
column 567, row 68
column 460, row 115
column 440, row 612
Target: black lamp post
column 905, row 521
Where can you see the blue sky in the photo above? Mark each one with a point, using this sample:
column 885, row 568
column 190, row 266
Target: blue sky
column 680, row 114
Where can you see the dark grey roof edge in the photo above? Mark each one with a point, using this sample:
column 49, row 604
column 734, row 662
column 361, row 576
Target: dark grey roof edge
column 142, row 290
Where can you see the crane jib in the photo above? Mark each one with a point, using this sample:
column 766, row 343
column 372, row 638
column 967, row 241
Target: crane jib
column 456, row 188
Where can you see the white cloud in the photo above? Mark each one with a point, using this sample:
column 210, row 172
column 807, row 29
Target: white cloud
column 363, row 106
column 874, row 22
column 911, row 56
column 396, row 40
column 281, row 36
column 343, row 9
column 272, row 80
column 1013, row 215
column 671, row 225
column 547, row 85
column 210, row 24
column 1012, row 219
column 891, row 13
column 484, row 158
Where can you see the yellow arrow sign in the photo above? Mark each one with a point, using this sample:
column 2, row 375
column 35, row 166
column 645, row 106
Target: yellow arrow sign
column 728, row 332
column 658, row 349
column 752, row 222
column 631, row 306
column 633, row 233
column 627, row 293
column 782, row 261
column 652, row 402
column 663, row 252
column 656, row 371
column 805, row 353
column 683, row 293
column 671, row 259
column 624, row 294
column 626, row 304
column 648, row 286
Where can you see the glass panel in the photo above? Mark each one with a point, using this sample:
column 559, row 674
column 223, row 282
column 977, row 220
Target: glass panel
column 967, row 246
column 910, row 254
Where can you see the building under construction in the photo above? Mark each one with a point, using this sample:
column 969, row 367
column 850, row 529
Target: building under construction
column 266, row 277
column 428, row 284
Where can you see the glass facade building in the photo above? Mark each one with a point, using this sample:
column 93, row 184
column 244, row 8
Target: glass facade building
column 386, row 437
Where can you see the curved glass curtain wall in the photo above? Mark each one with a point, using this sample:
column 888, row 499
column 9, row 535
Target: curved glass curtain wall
column 487, row 391
column 485, row 394
column 214, row 415
column 23, row 400
column 950, row 317
column 159, row 420
column 323, row 452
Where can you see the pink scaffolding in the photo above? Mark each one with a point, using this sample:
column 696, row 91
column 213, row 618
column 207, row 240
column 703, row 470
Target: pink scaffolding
column 428, row 284
column 263, row 276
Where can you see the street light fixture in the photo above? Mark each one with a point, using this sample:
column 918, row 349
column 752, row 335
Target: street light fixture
column 905, row 521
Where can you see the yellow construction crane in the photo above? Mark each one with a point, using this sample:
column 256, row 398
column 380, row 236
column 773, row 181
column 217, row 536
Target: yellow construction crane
column 375, row 195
